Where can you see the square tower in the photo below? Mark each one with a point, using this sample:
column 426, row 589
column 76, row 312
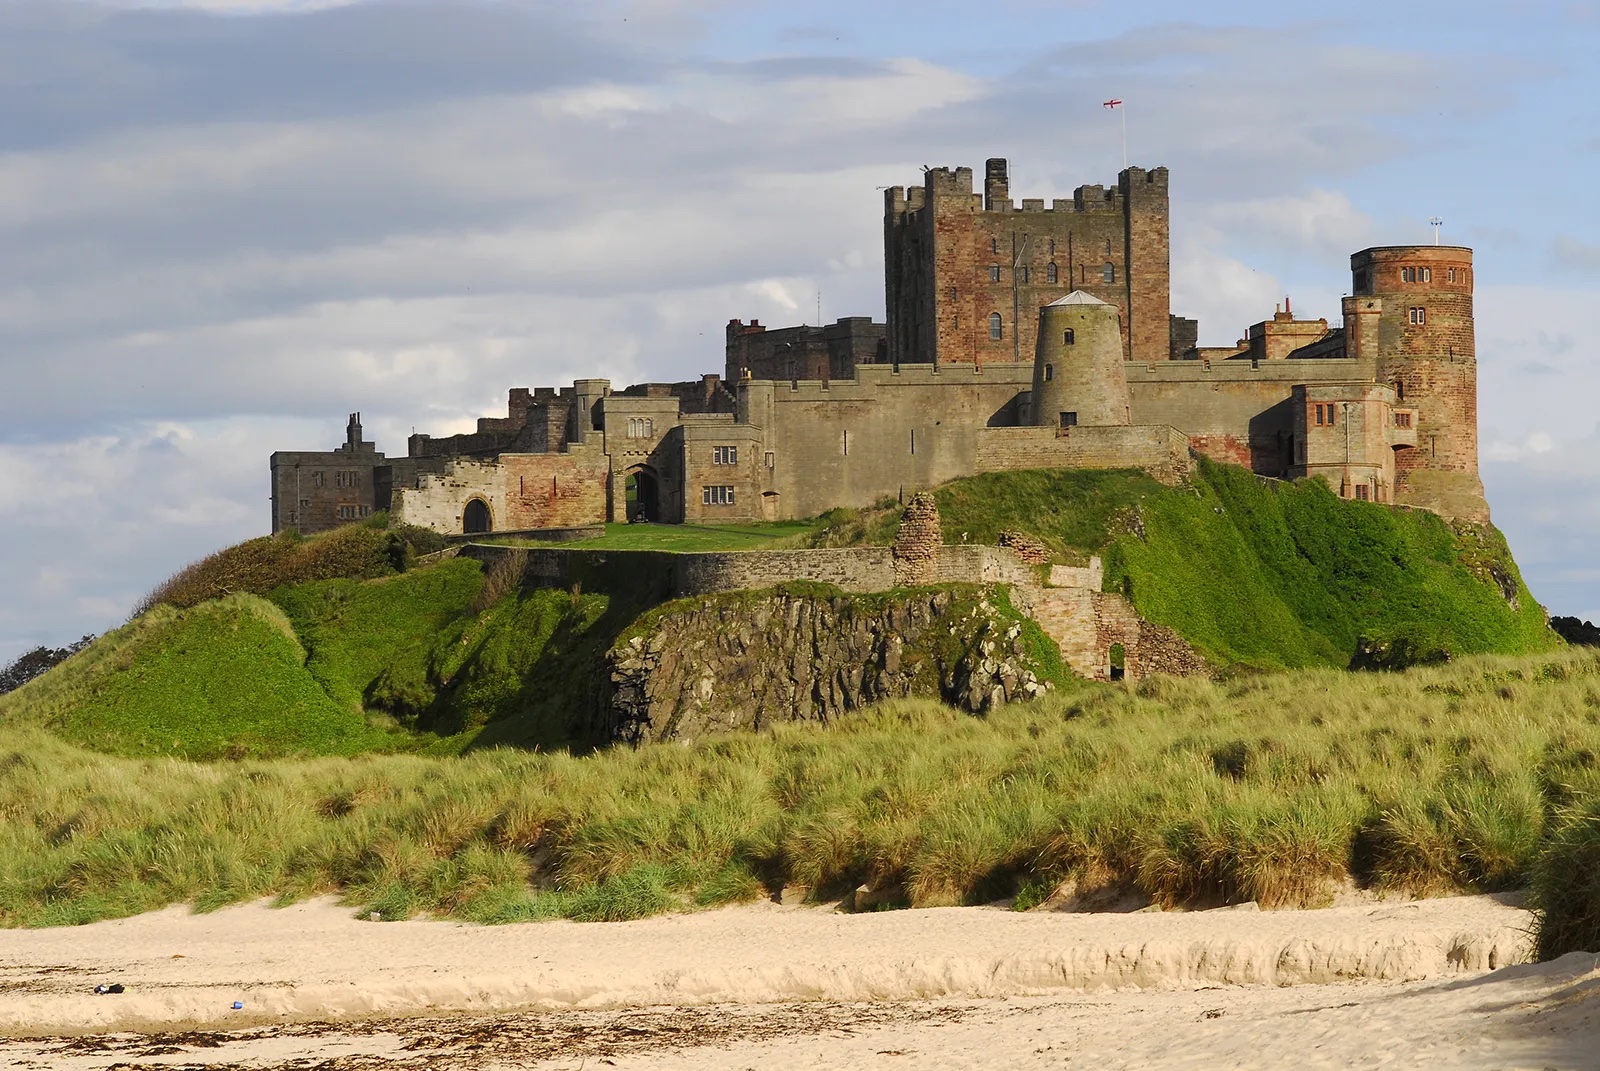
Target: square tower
column 965, row 274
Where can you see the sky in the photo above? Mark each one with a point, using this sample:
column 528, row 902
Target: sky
column 225, row 225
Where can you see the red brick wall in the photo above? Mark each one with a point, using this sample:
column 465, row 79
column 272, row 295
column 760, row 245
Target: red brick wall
column 941, row 244
column 554, row 490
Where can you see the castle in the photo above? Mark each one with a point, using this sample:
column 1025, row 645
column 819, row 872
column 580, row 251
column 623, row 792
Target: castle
column 1016, row 337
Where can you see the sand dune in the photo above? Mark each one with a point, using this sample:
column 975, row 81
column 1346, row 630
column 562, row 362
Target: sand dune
column 769, row 986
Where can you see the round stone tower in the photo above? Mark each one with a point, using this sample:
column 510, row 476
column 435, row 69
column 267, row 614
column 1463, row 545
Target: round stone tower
column 1410, row 311
column 1078, row 375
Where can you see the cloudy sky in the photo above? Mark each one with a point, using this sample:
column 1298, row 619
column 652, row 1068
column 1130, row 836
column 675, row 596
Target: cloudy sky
column 225, row 225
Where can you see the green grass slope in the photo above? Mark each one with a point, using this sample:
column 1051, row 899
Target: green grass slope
column 1264, row 573
column 223, row 679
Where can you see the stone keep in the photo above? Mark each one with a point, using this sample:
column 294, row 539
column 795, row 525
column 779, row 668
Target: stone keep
column 1078, row 374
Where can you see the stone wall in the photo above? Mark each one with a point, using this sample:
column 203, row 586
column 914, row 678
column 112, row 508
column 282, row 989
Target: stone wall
column 1236, row 411
column 857, row 569
column 562, row 490
column 521, row 491
column 1085, row 623
column 886, row 433
column 918, row 541
column 1162, row 450
column 439, row 501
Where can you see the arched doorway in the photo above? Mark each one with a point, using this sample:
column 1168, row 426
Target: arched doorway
column 475, row 518
column 644, row 497
column 1118, row 658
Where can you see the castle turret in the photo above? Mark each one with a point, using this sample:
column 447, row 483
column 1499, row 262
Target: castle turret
column 1410, row 311
column 1078, row 375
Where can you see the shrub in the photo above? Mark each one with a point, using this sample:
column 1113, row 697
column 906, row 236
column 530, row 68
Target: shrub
column 1566, row 886
column 257, row 566
column 31, row 664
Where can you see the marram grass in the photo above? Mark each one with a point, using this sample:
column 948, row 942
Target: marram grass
column 1272, row 788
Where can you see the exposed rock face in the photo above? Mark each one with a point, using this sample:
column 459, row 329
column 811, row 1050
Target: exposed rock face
column 743, row 661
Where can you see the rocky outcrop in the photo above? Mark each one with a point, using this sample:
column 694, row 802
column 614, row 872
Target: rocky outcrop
column 716, row 664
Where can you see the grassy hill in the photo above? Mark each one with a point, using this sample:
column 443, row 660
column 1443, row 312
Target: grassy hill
column 341, row 643
column 1255, row 573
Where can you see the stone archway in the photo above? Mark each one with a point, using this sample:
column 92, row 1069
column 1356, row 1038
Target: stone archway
column 476, row 518
column 643, row 496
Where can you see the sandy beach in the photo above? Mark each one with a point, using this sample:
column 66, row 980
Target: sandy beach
column 1437, row 983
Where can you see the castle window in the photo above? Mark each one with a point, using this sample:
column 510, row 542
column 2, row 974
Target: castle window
column 1408, row 275
column 1449, row 275
column 1052, row 247
column 1069, row 337
column 716, row 495
column 1108, row 273
column 994, row 273
column 1069, row 420
column 994, row 245
column 1049, row 372
column 1051, row 274
column 1361, row 492
column 1108, row 247
column 1419, row 315
column 996, row 329
column 724, row 455
column 771, row 460
column 316, row 478
column 1023, row 278
column 1319, row 415
column 1402, row 420
column 1427, row 275
column 1400, row 390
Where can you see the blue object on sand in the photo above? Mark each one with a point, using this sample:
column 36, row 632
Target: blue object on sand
column 238, row 1004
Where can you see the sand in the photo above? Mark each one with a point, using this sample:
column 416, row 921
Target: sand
column 1435, row 983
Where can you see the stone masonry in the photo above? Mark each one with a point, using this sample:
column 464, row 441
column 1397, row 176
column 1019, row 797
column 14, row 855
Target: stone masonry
column 1003, row 350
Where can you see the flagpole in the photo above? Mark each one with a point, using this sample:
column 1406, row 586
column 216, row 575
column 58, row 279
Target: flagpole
column 1114, row 104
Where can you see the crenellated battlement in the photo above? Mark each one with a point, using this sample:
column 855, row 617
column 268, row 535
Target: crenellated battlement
column 945, row 183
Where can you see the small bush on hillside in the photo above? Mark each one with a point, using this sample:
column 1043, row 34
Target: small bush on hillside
column 1571, row 629
column 32, row 663
column 257, row 566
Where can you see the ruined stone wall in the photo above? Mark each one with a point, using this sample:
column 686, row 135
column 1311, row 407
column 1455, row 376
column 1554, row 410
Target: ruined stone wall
column 1085, row 623
column 521, row 491
column 439, row 500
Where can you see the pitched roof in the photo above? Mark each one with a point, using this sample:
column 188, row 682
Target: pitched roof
column 1078, row 297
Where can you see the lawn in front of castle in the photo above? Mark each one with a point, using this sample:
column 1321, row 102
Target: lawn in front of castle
column 695, row 538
